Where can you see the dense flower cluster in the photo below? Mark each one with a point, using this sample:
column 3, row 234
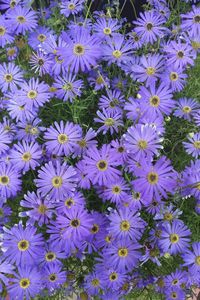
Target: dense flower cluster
column 86, row 205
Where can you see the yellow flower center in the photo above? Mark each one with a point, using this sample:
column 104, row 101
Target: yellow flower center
column 34, row 130
column 102, row 165
column 150, row 71
column 154, row 101
column 117, row 53
column 71, row 6
column 24, row 283
column 168, row 216
column 41, row 37
column 4, row 180
column 67, row 86
column 82, row 143
column 197, row 144
column 152, row 177
column 197, row 260
column 195, row 45
column 123, row 252
column 108, row 239
column 50, row 256
column 2, row 30
column 32, row 94
column 142, row 144
column 99, row 80
column 26, row 156
column 21, row 19
column 174, row 238
column 116, row 190
column 125, row 226
column 23, row 245
column 107, row 31
column 8, row 77
column 173, row 76
column 57, row 181
column 113, row 276
column 11, row 51
column 12, row 4
column 75, row 223
column 58, row 60
column 109, row 122
column 62, row 138
column 79, row 49
column 186, row 109
column 42, row 209
column 95, row 282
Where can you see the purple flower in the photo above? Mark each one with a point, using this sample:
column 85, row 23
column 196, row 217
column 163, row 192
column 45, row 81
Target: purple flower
column 39, row 36
column 5, row 32
column 40, row 209
column 193, row 146
column 10, row 183
column 113, row 102
column 29, row 130
column 5, row 140
column 100, row 165
column 56, row 180
column 155, row 180
column 25, row 156
column 106, row 27
column 22, row 19
column 85, row 142
column 34, row 93
column 148, row 69
column 126, row 224
column 10, row 76
column 53, row 276
column 174, row 237
column 5, row 269
column 63, row 138
column 25, row 284
column 41, row 62
column 192, row 258
column 175, row 78
column 123, row 255
column 157, row 100
column 82, row 52
column 149, row 27
column 22, row 245
column 190, row 22
column 93, row 283
column 174, row 293
column 111, row 121
column 12, row 53
column 117, row 50
column 71, row 7
column 179, row 54
column 67, row 88
column 186, row 108
column 142, row 141
column 75, row 223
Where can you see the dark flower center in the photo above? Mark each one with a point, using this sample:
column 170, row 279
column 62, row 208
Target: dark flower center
column 41, row 62
column 155, row 101
column 57, row 181
column 174, row 295
column 116, row 189
column 125, row 226
column 107, row 30
column 152, row 177
column 175, row 281
column 180, row 54
column 95, row 228
column 173, row 76
column 149, row 26
column 8, row 77
column 121, row 149
column 75, row 223
column 62, row 138
column 197, row 19
column 2, row 30
column 71, row 6
column 69, row 202
column 52, row 277
column 12, row 4
column 174, row 238
column 42, row 209
column 113, row 276
column 123, row 252
column 95, row 282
